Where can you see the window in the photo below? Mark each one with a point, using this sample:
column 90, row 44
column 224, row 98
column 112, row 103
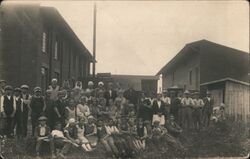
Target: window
column 56, row 51
column 190, row 77
column 44, row 40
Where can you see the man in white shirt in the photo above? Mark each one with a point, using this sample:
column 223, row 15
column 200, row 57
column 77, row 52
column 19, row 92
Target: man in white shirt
column 197, row 113
column 8, row 110
column 186, row 106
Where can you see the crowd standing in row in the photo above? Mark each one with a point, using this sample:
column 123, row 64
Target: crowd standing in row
column 120, row 120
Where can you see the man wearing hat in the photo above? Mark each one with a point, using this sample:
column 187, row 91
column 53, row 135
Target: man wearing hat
column 186, row 109
column 37, row 106
column 167, row 100
column 207, row 109
column 42, row 134
column 110, row 93
column 26, row 97
column 8, row 110
column 19, row 113
column 197, row 113
column 49, row 108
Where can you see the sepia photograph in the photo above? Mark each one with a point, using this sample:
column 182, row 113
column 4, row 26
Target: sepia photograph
column 124, row 79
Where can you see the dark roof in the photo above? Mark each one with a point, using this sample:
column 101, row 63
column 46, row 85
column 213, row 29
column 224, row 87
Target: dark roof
column 144, row 77
column 54, row 15
column 226, row 79
column 195, row 46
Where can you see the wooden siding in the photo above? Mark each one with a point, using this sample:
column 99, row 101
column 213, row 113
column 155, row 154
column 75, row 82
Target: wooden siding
column 237, row 100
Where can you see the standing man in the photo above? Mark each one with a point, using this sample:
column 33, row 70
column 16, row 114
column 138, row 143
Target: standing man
column 8, row 110
column 197, row 113
column 19, row 113
column 54, row 89
column 38, row 107
column 207, row 109
column 158, row 110
column 187, row 104
column 131, row 95
column 167, row 101
column 110, row 93
column 26, row 97
column 175, row 105
column 59, row 110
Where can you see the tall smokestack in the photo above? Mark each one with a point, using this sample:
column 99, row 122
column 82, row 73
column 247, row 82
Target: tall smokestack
column 94, row 41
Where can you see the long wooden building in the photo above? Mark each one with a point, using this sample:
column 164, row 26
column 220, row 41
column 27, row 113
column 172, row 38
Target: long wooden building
column 37, row 45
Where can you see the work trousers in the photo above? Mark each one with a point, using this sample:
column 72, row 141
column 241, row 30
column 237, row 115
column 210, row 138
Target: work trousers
column 187, row 121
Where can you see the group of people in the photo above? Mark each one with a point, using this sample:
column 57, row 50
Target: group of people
column 122, row 121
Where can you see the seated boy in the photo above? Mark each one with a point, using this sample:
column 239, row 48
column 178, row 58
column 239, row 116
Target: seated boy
column 91, row 131
column 70, row 132
column 42, row 134
column 106, row 139
column 173, row 128
column 83, row 141
column 60, row 140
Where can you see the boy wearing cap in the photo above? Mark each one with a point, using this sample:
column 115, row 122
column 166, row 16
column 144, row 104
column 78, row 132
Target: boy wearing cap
column 19, row 113
column 42, row 134
column 37, row 106
column 26, row 97
column 8, row 110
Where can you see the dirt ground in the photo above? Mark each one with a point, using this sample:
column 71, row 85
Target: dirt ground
column 225, row 139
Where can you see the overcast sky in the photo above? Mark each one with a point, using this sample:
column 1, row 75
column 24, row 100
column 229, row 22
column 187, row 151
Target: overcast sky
column 141, row 37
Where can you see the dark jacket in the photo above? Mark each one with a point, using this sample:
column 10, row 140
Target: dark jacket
column 131, row 95
column 156, row 109
column 107, row 96
column 145, row 112
column 208, row 105
column 37, row 131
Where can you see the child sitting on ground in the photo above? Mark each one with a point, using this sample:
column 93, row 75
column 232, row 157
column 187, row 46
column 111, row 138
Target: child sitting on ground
column 60, row 140
column 42, row 134
column 82, row 140
column 91, row 131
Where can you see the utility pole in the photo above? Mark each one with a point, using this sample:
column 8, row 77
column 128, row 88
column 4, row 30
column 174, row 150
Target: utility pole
column 94, row 41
